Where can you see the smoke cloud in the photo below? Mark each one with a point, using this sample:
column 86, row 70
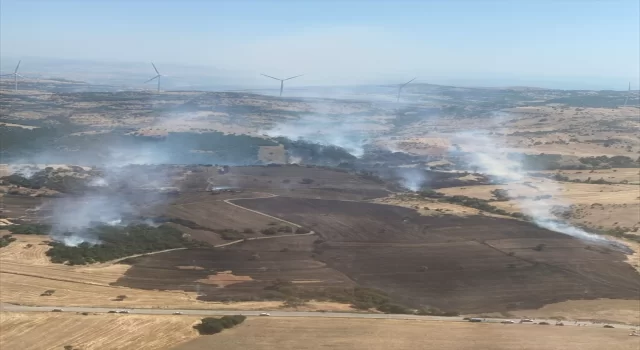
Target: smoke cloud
column 491, row 158
column 324, row 131
column 411, row 178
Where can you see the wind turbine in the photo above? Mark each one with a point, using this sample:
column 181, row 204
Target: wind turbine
column 628, row 93
column 15, row 75
column 281, row 81
column 403, row 85
column 156, row 77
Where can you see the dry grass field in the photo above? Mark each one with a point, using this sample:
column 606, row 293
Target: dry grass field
column 593, row 205
column 42, row 331
column 355, row 334
column 602, row 310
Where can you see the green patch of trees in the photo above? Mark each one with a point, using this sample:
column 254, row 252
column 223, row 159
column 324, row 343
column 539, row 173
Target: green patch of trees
column 604, row 162
column 213, row 325
column 118, row 242
column 6, row 240
column 30, row 229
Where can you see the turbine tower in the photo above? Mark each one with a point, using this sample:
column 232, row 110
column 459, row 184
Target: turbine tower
column 158, row 75
column 281, row 81
column 403, row 85
column 15, row 76
column 628, row 94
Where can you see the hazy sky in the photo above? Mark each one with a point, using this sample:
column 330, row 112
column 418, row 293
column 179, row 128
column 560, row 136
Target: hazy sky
column 344, row 42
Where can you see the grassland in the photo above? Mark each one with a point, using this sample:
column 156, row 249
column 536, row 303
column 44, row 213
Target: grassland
column 43, row 331
column 355, row 334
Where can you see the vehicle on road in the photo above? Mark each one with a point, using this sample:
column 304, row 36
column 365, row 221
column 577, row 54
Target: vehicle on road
column 56, row 310
column 526, row 320
column 265, row 314
column 123, row 311
column 507, row 322
column 112, row 311
column 475, row 320
column 177, row 313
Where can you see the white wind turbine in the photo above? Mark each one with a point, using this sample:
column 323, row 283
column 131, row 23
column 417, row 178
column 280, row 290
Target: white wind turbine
column 628, row 94
column 158, row 75
column 15, row 76
column 403, row 85
column 281, row 81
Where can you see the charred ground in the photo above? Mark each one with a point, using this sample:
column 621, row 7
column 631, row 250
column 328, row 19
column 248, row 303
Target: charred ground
column 464, row 264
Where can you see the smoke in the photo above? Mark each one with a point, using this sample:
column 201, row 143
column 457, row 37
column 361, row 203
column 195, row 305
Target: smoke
column 73, row 216
column 124, row 183
column 492, row 158
column 411, row 178
column 324, row 131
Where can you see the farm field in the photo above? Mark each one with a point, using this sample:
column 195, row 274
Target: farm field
column 43, row 331
column 356, row 334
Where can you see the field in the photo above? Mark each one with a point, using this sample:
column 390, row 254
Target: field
column 356, row 334
column 41, row 331
column 599, row 206
column 26, row 273
column 453, row 263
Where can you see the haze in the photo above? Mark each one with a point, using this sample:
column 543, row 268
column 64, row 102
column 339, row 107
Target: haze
column 570, row 44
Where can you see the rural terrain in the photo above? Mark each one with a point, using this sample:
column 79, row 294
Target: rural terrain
column 456, row 203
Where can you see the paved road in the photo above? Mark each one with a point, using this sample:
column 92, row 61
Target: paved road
column 201, row 312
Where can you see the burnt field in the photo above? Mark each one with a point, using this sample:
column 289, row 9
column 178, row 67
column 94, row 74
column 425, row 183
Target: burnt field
column 246, row 271
column 464, row 264
column 290, row 180
column 472, row 264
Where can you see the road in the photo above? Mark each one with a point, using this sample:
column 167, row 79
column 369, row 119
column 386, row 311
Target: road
column 21, row 308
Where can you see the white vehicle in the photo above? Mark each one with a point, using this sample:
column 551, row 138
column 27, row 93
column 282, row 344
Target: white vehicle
column 507, row 322
column 265, row 314
column 177, row 313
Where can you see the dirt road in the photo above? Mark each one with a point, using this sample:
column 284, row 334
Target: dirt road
column 20, row 308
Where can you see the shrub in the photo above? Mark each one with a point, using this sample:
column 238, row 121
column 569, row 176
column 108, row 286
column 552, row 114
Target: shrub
column 269, row 231
column 301, row 230
column 286, row 229
column 212, row 325
column 6, row 240
column 539, row 247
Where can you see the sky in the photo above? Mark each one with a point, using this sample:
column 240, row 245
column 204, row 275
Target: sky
column 549, row 43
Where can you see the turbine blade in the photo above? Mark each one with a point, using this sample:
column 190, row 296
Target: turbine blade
column 294, row 77
column 18, row 66
column 154, row 67
column 407, row 83
column 156, row 77
column 268, row 76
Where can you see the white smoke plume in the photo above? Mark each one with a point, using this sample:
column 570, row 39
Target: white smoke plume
column 488, row 155
column 127, row 179
column 324, row 131
column 411, row 178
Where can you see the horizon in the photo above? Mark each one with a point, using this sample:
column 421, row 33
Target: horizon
column 549, row 44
